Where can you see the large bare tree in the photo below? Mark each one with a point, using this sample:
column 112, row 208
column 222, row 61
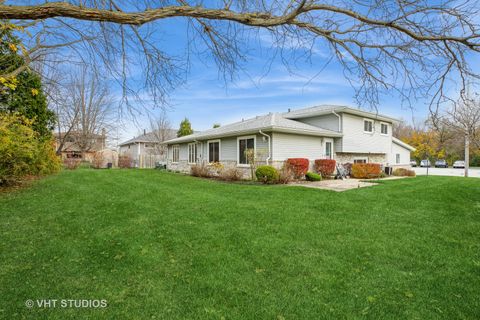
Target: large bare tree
column 464, row 119
column 161, row 129
column 85, row 113
column 416, row 48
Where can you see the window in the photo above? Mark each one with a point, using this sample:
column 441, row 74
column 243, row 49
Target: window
column 397, row 158
column 175, row 153
column 245, row 144
column 384, row 128
column 328, row 150
column 360, row 160
column 192, row 153
column 214, row 151
column 368, row 126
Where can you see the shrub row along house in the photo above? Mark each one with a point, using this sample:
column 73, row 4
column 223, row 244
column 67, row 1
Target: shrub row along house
column 345, row 134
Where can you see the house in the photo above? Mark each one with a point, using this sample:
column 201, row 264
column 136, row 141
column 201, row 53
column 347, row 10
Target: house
column 75, row 144
column 346, row 134
column 147, row 148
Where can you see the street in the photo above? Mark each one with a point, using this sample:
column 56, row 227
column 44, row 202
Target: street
column 475, row 172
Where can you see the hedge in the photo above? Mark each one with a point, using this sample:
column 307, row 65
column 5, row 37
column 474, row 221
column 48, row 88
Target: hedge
column 299, row 166
column 325, row 167
column 366, row 170
column 267, row 174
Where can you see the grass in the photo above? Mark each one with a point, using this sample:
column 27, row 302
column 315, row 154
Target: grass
column 159, row 245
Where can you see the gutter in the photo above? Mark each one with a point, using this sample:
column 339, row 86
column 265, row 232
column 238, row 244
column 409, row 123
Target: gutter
column 269, row 148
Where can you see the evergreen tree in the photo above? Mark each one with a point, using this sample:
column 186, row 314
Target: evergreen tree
column 185, row 128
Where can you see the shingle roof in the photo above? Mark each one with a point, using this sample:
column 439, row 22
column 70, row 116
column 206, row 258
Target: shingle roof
column 149, row 137
column 325, row 109
column 270, row 122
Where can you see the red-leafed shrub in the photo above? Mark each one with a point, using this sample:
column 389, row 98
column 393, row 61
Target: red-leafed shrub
column 325, row 167
column 299, row 166
column 366, row 170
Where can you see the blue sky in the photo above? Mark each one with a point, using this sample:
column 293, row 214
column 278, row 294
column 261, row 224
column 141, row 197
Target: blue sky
column 261, row 87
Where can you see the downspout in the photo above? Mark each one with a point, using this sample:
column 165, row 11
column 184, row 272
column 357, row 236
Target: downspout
column 269, row 147
column 339, row 121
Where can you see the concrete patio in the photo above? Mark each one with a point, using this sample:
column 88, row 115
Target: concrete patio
column 339, row 185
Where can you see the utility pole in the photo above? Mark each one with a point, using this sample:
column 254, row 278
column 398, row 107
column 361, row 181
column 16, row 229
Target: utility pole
column 467, row 152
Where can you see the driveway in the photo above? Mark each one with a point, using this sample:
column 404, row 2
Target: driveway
column 447, row 172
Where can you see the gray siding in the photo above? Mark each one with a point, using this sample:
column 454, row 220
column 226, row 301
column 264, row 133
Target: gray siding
column 355, row 140
column 404, row 155
column 296, row 146
column 228, row 149
column 327, row 121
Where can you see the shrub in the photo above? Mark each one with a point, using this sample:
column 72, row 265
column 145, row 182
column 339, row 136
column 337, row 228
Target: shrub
column 231, row 174
column 267, row 174
column 325, row 167
column 215, row 168
column 402, row 172
column 366, row 170
column 71, row 163
column 125, row 162
column 285, row 174
column 299, row 166
column 22, row 151
column 200, row 170
column 311, row 176
column 98, row 159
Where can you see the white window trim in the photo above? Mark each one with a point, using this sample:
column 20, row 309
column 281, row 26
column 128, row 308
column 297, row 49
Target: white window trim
column 219, row 150
column 398, row 158
column 373, row 126
column 196, row 152
column 238, row 149
column 173, row 153
column 325, row 149
column 384, row 134
column 360, row 158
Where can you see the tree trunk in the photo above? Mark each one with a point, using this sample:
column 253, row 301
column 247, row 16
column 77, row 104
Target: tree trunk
column 467, row 153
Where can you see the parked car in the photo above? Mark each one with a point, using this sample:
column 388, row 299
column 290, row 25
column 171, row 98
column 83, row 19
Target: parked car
column 413, row 163
column 441, row 164
column 425, row 163
column 459, row 164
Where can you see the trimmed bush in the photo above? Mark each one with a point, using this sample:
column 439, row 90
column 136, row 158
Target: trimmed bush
column 325, row 167
column 299, row 166
column 402, row 172
column 311, row 176
column 366, row 170
column 267, row 174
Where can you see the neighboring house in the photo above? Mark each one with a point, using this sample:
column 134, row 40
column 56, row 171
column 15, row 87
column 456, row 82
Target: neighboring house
column 73, row 141
column 345, row 134
column 147, row 148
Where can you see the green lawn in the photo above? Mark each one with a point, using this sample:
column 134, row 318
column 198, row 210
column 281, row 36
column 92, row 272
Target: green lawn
column 159, row 245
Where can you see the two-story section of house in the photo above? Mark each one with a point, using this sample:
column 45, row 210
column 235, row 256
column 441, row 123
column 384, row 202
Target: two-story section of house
column 346, row 134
